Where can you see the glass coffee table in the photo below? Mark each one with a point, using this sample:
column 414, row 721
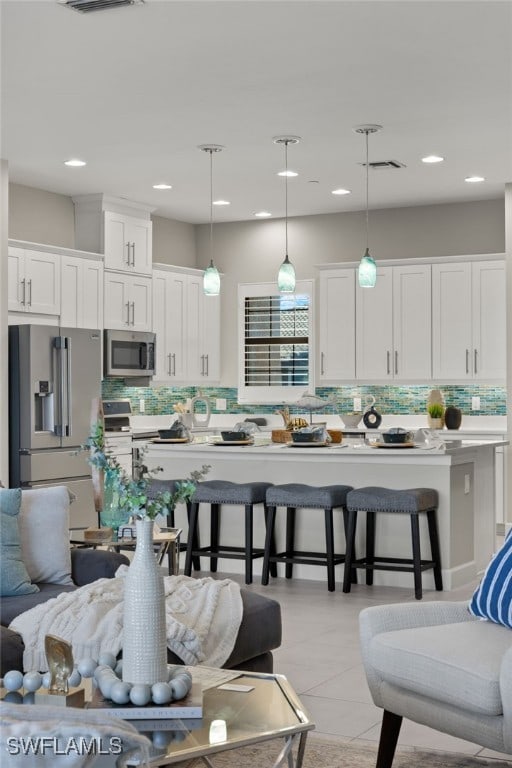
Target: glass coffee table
column 166, row 542
column 269, row 710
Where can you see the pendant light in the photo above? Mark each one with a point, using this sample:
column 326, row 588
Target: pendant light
column 367, row 272
column 211, row 277
column 286, row 275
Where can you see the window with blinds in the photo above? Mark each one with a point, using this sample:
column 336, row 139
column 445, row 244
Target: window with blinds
column 275, row 344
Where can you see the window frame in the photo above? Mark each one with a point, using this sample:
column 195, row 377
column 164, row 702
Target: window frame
column 269, row 394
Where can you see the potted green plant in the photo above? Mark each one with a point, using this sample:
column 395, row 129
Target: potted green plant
column 435, row 415
column 125, row 497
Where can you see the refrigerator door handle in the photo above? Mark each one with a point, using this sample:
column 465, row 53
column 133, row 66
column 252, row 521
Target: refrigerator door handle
column 58, row 343
column 69, row 388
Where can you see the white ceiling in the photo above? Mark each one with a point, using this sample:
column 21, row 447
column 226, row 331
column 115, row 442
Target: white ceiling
column 133, row 91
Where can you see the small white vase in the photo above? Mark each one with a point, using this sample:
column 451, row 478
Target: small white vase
column 144, row 634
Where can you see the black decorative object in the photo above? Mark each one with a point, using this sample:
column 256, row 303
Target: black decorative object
column 372, row 418
column 452, row 417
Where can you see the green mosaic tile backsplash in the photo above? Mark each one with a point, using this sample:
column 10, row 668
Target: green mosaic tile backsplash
column 389, row 399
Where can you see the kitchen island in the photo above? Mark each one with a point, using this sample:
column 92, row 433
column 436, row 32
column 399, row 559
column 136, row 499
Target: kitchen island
column 462, row 472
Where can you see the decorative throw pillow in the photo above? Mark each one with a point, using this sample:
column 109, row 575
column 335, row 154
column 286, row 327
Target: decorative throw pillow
column 44, row 530
column 493, row 598
column 14, row 579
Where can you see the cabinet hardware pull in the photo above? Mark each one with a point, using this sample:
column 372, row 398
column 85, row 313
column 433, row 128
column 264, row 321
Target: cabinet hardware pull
column 467, row 360
column 169, row 369
column 476, row 362
column 388, row 362
column 207, row 365
column 202, row 365
column 174, row 364
column 396, row 363
column 24, row 286
column 133, row 313
column 322, row 371
column 133, row 254
column 127, row 313
column 128, row 254
column 30, row 292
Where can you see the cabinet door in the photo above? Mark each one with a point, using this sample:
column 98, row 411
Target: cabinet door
column 451, row 321
column 489, row 320
column 116, row 242
column 168, row 316
column 117, row 298
column 140, row 303
column 92, row 294
column 374, row 328
column 195, row 362
column 16, row 285
column 337, row 325
column 211, row 337
column 139, row 233
column 42, row 273
column 412, row 322
column 71, row 310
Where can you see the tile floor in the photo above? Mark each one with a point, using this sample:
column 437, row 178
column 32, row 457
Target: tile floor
column 320, row 656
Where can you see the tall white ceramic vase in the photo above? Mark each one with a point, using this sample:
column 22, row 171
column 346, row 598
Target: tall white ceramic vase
column 144, row 635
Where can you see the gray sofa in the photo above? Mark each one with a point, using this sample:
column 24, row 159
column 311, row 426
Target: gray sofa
column 258, row 635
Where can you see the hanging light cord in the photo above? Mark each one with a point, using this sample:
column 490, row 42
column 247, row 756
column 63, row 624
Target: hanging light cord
column 211, row 206
column 367, row 169
column 286, row 196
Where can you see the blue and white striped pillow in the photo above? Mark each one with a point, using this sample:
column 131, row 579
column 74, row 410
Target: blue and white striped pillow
column 493, row 598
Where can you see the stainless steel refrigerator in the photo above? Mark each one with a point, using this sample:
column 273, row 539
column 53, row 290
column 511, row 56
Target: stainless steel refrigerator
column 54, row 374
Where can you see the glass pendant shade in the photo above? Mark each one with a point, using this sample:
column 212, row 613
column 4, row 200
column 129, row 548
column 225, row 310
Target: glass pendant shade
column 367, row 272
column 211, row 280
column 286, row 276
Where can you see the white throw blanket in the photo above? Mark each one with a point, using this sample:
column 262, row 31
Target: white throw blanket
column 202, row 619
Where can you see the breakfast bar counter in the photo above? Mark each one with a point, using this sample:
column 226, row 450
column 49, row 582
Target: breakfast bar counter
column 461, row 471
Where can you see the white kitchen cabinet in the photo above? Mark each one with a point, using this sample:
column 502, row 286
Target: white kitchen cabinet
column 81, row 292
column 337, row 325
column 127, row 301
column 33, row 281
column 393, row 325
column 468, row 302
column 128, row 243
column 187, row 327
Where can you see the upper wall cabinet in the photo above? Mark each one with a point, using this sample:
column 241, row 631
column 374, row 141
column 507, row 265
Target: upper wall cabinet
column 120, row 229
column 81, row 292
column 393, row 325
column 187, row 327
column 127, row 302
column 337, row 325
column 33, row 281
column 469, row 320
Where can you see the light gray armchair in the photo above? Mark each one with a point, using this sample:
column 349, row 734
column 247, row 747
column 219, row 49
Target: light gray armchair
column 438, row 665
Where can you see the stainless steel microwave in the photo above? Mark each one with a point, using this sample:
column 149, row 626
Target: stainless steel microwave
column 129, row 353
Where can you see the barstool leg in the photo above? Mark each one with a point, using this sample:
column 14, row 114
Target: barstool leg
column 353, row 575
column 191, row 538
column 290, row 539
column 273, row 550
column 329, row 548
column 196, row 560
column 269, row 543
column 248, row 543
column 214, row 536
column 416, row 555
column 370, row 546
column 349, row 548
column 434, row 546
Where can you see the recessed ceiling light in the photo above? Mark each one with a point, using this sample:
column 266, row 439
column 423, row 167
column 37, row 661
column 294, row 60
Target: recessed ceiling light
column 340, row 191
column 162, row 186
column 75, row 163
column 474, row 179
column 432, row 159
column 263, row 214
column 221, row 202
column 287, row 173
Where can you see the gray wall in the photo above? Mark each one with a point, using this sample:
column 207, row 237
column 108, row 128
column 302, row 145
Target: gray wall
column 174, row 242
column 41, row 217
column 252, row 251
column 4, row 428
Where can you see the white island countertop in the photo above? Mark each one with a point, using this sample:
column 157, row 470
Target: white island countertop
column 462, row 472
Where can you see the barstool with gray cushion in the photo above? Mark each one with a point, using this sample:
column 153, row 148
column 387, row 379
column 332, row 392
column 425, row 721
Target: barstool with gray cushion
column 412, row 502
column 154, row 488
column 294, row 496
column 216, row 493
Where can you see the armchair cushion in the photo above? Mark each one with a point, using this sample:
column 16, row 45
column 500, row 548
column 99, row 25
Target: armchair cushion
column 88, row 565
column 14, row 578
column 44, row 531
column 493, row 598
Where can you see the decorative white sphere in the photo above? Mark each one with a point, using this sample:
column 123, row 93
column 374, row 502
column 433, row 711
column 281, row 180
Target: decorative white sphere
column 161, row 693
column 13, row 680
column 118, row 669
column 179, row 687
column 105, row 684
column 47, row 678
column 108, row 659
column 101, row 669
column 75, row 678
column 161, row 739
column 120, row 692
column 32, row 681
column 140, row 694
column 87, row 666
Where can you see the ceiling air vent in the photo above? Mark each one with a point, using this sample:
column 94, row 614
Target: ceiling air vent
column 376, row 164
column 88, row 6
